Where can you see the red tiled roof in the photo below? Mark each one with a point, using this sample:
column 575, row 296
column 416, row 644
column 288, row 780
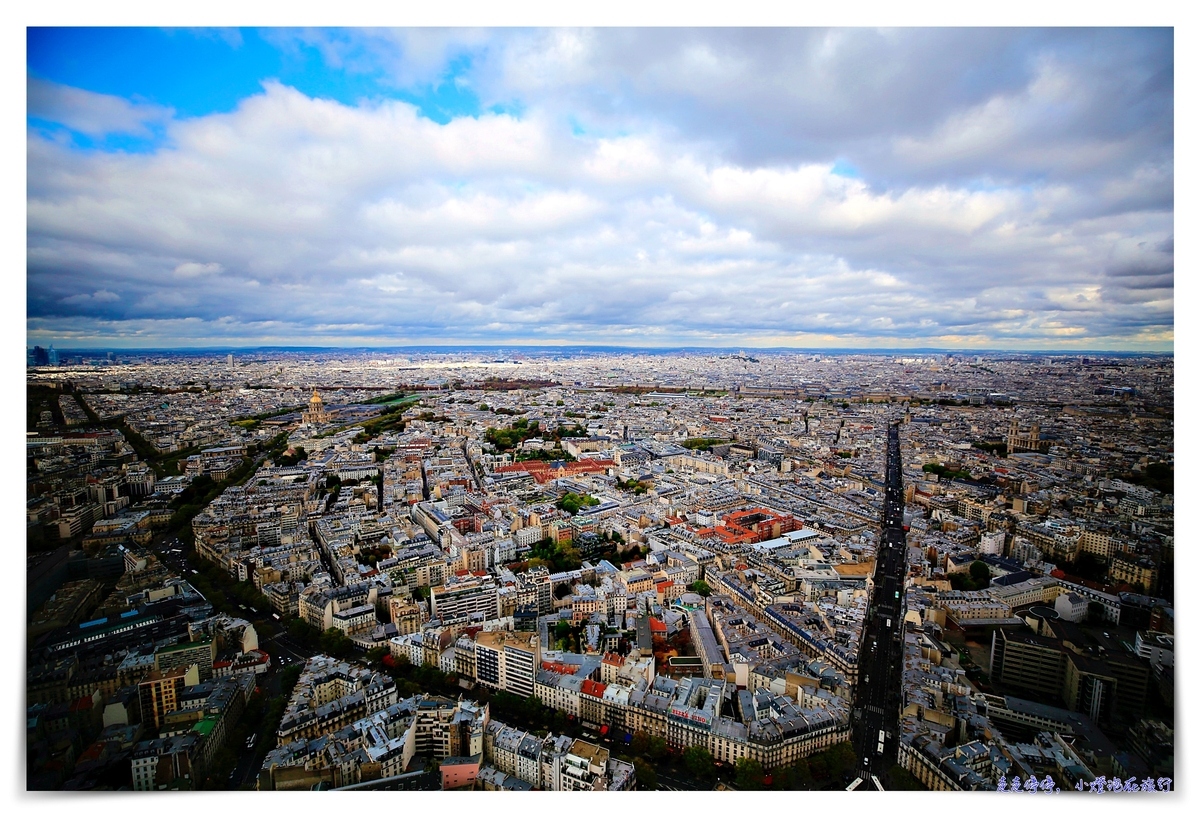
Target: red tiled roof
column 593, row 688
column 542, row 472
column 92, row 752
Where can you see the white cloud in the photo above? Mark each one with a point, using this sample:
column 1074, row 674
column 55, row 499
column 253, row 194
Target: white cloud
column 299, row 218
column 99, row 296
column 91, row 113
column 191, row 269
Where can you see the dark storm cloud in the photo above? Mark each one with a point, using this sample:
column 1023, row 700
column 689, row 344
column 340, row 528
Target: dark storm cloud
column 905, row 104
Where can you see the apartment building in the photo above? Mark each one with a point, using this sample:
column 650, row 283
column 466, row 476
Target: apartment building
column 466, row 597
column 507, row 661
column 202, row 653
column 159, row 694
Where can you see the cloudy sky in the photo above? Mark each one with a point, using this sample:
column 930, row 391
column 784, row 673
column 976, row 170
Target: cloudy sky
column 994, row 188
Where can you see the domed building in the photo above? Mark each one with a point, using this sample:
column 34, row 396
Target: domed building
column 316, row 413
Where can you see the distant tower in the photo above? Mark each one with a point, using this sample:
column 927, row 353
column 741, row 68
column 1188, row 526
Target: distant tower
column 52, row 355
column 229, row 359
column 316, row 413
column 1030, row 441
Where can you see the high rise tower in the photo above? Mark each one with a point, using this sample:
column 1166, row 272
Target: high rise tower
column 877, row 695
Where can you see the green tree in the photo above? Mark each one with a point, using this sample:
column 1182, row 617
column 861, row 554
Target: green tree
column 640, row 743
column 818, row 765
column 840, row 760
column 702, row 587
column 783, row 779
column 702, row 442
column 288, row 679
column 335, row 643
column 698, row 761
column 222, row 764
column 560, row 722
column 571, row 502
column 569, row 558
column 657, row 748
column 647, row 778
column 802, row 777
column 303, row 632
column 979, row 574
column 962, row 581
column 748, row 774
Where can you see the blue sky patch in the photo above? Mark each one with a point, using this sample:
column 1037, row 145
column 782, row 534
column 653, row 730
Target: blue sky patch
column 843, row 168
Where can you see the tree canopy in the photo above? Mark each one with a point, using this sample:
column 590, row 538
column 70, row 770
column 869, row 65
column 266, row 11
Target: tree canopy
column 571, row 502
column 335, row 643
column 699, row 762
column 748, row 774
column 647, row 778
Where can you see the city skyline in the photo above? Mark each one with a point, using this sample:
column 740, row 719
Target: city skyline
column 722, row 188
column 423, row 571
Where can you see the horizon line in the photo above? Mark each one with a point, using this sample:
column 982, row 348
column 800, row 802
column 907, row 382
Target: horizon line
column 596, row 346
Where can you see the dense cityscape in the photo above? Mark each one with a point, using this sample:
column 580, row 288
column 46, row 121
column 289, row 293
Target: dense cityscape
column 515, row 568
column 656, row 404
